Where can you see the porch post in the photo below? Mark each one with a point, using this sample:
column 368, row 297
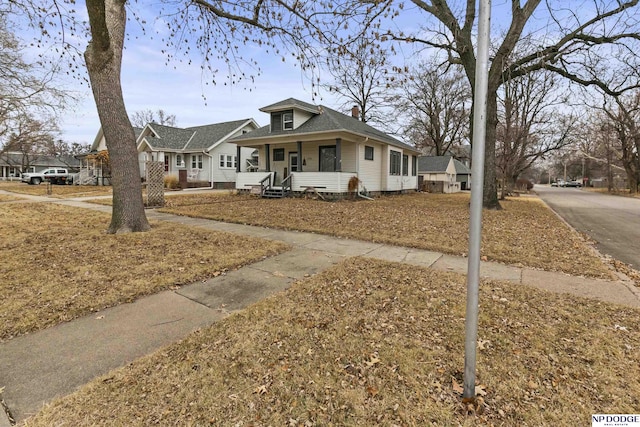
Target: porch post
column 238, row 159
column 267, row 148
column 338, row 154
column 300, row 156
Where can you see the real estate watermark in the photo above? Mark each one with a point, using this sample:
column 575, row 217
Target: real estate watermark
column 615, row 420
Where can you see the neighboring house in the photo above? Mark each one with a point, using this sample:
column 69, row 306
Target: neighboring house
column 309, row 147
column 94, row 169
column 442, row 174
column 12, row 164
column 197, row 154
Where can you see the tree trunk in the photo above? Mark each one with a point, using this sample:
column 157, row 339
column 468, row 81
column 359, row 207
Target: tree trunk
column 103, row 58
column 490, row 193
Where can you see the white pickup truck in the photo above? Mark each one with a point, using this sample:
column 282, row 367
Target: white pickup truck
column 53, row 175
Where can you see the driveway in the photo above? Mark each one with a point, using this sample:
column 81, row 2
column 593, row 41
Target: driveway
column 612, row 221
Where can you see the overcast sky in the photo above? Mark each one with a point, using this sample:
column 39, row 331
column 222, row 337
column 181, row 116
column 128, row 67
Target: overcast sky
column 148, row 83
column 180, row 89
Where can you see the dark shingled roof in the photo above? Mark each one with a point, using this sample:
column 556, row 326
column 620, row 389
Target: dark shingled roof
column 14, row 159
column 207, row 135
column 169, row 137
column 192, row 138
column 291, row 103
column 437, row 164
column 326, row 120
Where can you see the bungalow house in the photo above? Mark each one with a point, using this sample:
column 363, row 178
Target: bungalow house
column 442, row 174
column 13, row 163
column 94, row 168
column 310, row 147
column 197, row 154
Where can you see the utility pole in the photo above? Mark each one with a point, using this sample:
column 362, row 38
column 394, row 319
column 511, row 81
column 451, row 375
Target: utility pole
column 475, row 220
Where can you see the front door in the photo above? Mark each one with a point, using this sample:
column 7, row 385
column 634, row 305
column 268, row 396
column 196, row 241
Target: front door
column 293, row 162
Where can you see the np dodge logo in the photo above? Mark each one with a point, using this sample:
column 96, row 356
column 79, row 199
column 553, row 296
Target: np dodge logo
column 615, row 420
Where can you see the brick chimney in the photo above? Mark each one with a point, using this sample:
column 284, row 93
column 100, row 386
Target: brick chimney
column 355, row 112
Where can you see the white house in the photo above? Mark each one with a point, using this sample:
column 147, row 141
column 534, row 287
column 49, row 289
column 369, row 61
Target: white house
column 200, row 154
column 309, row 146
column 442, row 174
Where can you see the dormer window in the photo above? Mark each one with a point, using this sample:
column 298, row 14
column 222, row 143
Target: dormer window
column 282, row 120
column 287, row 120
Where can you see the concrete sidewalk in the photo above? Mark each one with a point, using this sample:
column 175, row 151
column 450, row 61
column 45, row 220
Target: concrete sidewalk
column 36, row 368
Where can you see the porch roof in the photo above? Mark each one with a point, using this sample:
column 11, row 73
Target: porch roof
column 325, row 120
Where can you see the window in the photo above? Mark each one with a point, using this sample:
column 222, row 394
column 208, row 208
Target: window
column 282, row 120
column 228, row 161
column 278, row 154
column 328, row 158
column 166, row 163
column 179, row 161
column 287, row 120
column 196, row 161
column 394, row 162
column 368, row 152
column 414, row 165
column 405, row 164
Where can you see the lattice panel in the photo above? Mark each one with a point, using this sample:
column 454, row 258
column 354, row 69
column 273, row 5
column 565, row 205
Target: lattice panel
column 155, row 184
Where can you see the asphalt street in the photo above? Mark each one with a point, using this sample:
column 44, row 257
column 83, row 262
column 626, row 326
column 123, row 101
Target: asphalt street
column 612, row 221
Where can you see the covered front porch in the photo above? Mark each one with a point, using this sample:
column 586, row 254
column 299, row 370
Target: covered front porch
column 265, row 183
column 325, row 166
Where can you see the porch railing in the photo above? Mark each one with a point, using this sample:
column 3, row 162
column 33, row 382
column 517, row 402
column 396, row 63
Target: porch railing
column 286, row 185
column 264, row 185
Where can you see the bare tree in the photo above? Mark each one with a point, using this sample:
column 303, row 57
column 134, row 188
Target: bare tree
column 435, row 100
column 30, row 138
column 219, row 30
column 143, row 117
column 362, row 77
column 530, row 124
column 577, row 46
column 624, row 117
column 27, row 89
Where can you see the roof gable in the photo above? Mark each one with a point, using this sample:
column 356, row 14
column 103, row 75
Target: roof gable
column 433, row 164
column 208, row 136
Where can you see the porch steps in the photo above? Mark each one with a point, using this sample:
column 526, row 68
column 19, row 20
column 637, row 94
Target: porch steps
column 274, row 193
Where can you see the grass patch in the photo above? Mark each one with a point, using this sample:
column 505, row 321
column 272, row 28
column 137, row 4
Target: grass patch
column 524, row 233
column 57, row 191
column 58, row 263
column 377, row 343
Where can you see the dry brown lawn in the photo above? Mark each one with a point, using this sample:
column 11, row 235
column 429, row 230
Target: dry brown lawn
column 376, row 343
column 8, row 198
column 58, row 263
column 524, row 233
column 57, row 191
column 616, row 192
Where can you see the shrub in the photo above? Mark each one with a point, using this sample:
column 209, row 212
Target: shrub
column 524, row 184
column 171, row 182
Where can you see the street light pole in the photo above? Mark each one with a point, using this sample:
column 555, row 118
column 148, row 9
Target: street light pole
column 475, row 220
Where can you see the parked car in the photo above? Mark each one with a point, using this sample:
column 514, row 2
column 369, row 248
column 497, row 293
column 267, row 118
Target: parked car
column 53, row 175
column 558, row 183
column 572, row 184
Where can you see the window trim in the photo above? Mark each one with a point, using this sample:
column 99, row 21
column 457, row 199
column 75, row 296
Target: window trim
column 179, row 161
column 405, row 165
column 287, row 120
column 395, row 162
column 280, row 156
column 227, row 161
column 371, row 150
column 335, row 160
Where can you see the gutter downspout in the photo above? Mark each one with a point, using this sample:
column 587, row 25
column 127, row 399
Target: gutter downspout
column 359, row 194
column 210, row 175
